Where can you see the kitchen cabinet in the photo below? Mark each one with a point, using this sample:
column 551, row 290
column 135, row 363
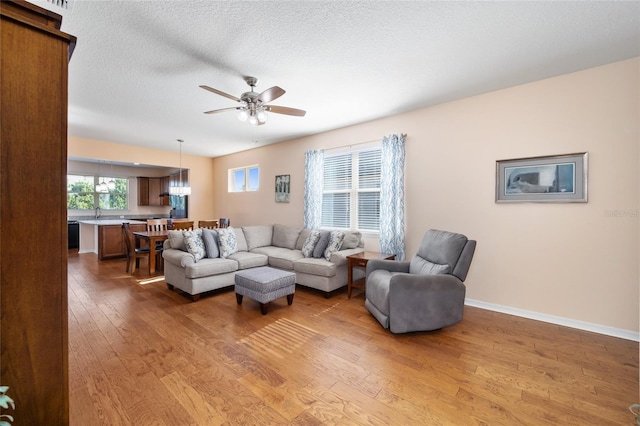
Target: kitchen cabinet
column 164, row 190
column 154, row 192
column 111, row 243
column 143, row 191
column 150, row 190
column 33, row 173
column 174, row 179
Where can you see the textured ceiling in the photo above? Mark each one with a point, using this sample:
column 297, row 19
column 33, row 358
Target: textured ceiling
column 135, row 73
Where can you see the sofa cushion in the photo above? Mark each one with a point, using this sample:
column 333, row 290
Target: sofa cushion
column 322, row 244
column 177, row 240
column 258, row 236
column 207, row 267
column 351, row 240
column 321, row 267
column 279, row 257
column 310, row 243
column 242, row 241
column 335, row 242
column 228, row 242
column 247, row 259
column 304, row 234
column 194, row 243
column 210, row 238
column 285, row 236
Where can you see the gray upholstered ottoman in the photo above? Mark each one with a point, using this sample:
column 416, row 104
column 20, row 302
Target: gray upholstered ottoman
column 265, row 284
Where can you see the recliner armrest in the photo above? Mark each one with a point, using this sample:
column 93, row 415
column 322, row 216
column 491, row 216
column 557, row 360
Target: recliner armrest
column 424, row 302
column 387, row 265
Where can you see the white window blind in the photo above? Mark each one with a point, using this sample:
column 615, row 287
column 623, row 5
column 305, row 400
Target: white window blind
column 351, row 195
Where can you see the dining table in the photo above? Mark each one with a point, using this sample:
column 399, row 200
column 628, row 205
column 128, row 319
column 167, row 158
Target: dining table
column 152, row 237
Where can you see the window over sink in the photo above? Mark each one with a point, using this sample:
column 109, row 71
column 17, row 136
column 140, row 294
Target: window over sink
column 82, row 193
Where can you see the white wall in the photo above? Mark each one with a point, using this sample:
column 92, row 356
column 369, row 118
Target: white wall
column 576, row 261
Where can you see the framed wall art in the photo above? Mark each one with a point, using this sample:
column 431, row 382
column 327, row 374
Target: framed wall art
column 283, row 188
column 552, row 178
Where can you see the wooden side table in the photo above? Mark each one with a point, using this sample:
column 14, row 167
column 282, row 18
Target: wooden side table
column 359, row 260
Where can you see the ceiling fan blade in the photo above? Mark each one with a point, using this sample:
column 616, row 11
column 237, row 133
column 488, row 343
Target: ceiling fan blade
column 218, row 92
column 270, row 94
column 286, row 110
column 215, row 111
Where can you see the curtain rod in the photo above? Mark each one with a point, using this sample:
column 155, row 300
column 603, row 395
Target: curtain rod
column 404, row 135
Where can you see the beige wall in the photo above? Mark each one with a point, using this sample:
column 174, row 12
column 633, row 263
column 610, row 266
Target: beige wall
column 576, row 261
column 200, row 171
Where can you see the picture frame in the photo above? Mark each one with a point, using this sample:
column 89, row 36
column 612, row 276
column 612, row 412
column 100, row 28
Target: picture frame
column 283, row 188
column 546, row 179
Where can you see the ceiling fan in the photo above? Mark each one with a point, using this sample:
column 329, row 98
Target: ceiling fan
column 254, row 106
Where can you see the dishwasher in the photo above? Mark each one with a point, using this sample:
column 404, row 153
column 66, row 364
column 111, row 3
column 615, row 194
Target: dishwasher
column 73, row 228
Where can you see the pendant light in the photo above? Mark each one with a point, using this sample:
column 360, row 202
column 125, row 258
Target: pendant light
column 102, row 186
column 180, row 190
column 111, row 185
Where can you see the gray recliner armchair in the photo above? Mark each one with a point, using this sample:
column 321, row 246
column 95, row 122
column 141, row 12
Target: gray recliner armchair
column 426, row 293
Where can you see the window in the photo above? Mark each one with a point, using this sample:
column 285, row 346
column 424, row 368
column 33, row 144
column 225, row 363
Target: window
column 82, row 194
column 351, row 195
column 244, row 179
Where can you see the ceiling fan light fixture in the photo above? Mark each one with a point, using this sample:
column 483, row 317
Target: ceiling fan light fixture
column 262, row 116
column 253, row 108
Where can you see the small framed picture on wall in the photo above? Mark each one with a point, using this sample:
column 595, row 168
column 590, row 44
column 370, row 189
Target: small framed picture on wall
column 283, row 188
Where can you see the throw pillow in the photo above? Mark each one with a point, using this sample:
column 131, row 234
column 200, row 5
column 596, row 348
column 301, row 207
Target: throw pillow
column 195, row 245
column 177, row 240
column 351, row 240
column 322, row 244
column 210, row 238
column 228, row 242
column 310, row 243
column 335, row 242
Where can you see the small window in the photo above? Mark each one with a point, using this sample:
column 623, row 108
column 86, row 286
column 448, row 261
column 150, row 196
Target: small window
column 84, row 193
column 244, row 179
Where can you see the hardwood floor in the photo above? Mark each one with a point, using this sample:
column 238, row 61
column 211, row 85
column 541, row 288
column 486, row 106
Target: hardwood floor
column 144, row 355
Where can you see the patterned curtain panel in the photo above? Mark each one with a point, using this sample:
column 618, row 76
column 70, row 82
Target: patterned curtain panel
column 313, row 184
column 392, row 196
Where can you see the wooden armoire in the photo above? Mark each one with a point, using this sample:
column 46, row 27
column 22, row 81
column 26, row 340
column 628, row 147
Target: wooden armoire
column 33, row 213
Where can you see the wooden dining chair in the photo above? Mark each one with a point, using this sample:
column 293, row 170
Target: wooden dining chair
column 224, row 222
column 133, row 254
column 156, row 224
column 182, row 225
column 210, row 224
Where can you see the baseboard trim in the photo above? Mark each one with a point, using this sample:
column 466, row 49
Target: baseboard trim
column 580, row 325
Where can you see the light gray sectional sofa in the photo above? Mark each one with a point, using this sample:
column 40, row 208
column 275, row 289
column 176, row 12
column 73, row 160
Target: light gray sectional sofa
column 278, row 246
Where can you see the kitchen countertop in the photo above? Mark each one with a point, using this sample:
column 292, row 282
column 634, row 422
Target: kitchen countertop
column 111, row 221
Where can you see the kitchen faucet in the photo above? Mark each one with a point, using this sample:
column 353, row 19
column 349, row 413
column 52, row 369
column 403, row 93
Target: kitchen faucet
column 97, row 212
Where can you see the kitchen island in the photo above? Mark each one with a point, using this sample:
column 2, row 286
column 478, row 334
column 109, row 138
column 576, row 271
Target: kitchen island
column 104, row 236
